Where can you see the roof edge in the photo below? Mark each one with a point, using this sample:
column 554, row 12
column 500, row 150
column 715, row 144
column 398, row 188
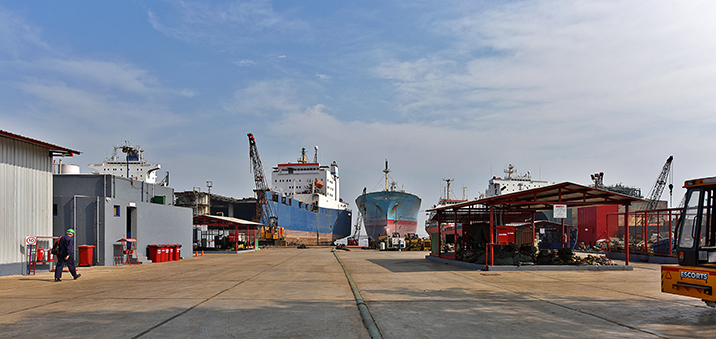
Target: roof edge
column 54, row 149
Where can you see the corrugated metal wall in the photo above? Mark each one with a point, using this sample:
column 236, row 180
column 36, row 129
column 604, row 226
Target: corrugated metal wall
column 25, row 196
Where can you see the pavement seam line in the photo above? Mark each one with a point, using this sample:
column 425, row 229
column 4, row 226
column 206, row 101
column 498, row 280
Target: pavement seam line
column 43, row 305
column 207, row 299
column 567, row 307
column 368, row 320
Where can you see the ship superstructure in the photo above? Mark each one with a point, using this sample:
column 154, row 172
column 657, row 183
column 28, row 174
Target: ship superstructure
column 390, row 210
column 309, row 182
column 512, row 183
column 133, row 166
column 431, row 223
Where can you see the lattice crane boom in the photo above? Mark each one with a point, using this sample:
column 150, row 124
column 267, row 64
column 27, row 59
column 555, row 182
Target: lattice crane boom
column 659, row 185
column 263, row 209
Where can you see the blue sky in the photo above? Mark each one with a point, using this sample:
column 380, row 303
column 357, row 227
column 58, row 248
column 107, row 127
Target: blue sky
column 456, row 89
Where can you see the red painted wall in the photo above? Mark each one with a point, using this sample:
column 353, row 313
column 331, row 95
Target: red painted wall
column 592, row 223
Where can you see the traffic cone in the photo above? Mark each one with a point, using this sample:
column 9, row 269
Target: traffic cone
column 202, row 253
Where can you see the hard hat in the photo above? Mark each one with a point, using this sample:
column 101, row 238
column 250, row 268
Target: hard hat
column 70, row 231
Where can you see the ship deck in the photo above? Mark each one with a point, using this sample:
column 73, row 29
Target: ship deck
column 289, row 292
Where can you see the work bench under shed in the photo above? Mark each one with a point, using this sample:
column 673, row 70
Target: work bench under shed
column 481, row 220
column 227, row 226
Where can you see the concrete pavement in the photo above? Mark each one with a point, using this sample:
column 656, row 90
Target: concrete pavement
column 290, row 293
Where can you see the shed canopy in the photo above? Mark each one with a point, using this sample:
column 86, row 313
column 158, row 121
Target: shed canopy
column 218, row 220
column 544, row 198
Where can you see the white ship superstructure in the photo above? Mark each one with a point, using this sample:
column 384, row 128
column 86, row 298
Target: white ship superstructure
column 512, row 183
column 309, row 182
column 133, row 166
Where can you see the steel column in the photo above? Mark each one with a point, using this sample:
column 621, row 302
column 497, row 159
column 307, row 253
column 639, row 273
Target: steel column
column 492, row 237
column 626, row 234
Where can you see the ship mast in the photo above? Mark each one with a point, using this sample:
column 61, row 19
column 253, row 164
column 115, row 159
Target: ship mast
column 447, row 190
column 386, row 171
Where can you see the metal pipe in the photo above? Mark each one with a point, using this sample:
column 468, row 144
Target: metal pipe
column 96, row 231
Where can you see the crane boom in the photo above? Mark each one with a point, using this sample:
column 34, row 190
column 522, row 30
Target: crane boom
column 258, row 168
column 658, row 188
column 264, row 213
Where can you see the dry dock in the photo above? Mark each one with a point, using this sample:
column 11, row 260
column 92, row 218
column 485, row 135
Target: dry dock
column 304, row 293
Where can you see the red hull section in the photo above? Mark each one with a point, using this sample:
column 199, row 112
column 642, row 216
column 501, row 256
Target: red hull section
column 388, row 227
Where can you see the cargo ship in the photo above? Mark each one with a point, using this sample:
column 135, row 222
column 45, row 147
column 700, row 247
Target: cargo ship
column 305, row 196
column 389, row 211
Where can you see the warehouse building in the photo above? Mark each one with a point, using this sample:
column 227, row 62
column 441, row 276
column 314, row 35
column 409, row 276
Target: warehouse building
column 26, row 195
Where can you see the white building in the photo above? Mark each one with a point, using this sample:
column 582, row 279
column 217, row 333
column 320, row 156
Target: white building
column 25, row 196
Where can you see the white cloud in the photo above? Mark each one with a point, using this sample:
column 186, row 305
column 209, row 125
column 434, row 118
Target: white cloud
column 244, row 63
column 121, row 76
column 323, row 76
column 549, row 61
column 226, row 24
column 17, row 38
column 187, row 93
column 265, row 98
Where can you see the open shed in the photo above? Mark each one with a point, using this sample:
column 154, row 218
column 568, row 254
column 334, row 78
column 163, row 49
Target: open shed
column 485, row 220
column 216, row 223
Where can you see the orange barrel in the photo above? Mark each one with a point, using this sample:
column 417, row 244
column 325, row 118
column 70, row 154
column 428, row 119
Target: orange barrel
column 86, row 255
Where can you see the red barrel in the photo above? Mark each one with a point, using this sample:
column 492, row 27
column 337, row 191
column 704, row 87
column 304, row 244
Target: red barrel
column 177, row 251
column 40, row 254
column 86, row 255
column 153, row 249
column 165, row 253
column 160, row 253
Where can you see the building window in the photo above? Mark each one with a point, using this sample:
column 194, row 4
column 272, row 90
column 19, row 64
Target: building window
column 116, row 210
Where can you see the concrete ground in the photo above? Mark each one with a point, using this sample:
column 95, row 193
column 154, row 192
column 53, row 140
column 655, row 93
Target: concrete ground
column 292, row 293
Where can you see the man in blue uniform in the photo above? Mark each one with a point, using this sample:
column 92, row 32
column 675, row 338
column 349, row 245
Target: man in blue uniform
column 66, row 255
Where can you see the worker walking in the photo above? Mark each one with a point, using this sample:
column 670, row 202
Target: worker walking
column 66, row 255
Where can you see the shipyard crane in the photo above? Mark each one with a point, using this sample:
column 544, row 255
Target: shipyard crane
column 263, row 208
column 659, row 185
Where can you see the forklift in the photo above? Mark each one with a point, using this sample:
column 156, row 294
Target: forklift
column 695, row 245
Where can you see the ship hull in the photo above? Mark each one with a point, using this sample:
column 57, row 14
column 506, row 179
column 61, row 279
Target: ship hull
column 308, row 224
column 387, row 212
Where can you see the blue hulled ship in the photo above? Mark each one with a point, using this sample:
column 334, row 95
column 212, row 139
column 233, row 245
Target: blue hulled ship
column 305, row 196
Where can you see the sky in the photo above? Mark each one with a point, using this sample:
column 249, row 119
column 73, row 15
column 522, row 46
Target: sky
column 441, row 89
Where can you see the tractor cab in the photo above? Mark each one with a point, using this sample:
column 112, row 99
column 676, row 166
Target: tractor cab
column 695, row 245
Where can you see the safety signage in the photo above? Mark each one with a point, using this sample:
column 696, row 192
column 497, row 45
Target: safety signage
column 31, row 240
column 560, row 211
